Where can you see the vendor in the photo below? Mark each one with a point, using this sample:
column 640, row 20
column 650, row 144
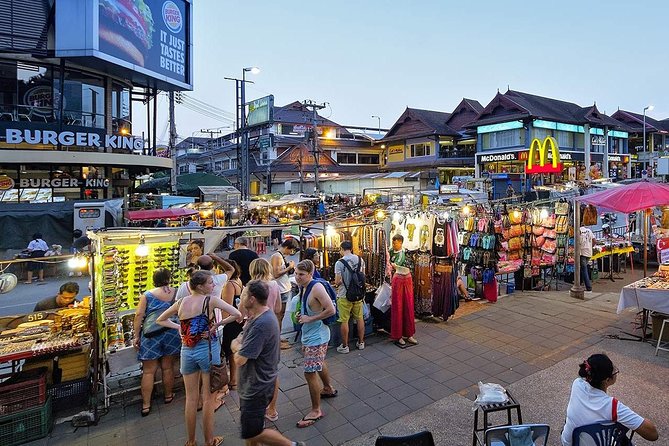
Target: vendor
column 65, row 297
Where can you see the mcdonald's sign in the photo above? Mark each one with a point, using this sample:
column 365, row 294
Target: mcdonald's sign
column 554, row 165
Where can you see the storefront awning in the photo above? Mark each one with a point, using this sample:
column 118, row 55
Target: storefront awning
column 156, row 214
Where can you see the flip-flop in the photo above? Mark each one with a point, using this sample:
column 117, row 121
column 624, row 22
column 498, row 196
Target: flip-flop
column 306, row 422
column 168, row 399
column 272, row 418
column 146, row 411
column 329, row 395
column 400, row 345
column 217, row 441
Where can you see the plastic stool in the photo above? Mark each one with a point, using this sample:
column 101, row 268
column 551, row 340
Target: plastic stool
column 261, row 247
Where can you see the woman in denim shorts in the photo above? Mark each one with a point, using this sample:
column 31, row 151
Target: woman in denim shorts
column 197, row 330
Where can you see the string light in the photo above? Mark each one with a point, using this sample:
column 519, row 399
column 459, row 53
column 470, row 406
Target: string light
column 466, row 210
column 380, row 215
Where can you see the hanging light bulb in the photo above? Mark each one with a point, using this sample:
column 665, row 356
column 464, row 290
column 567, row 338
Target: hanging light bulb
column 142, row 250
column 380, row 215
column 466, row 210
column 396, row 216
column 330, row 231
column 544, row 213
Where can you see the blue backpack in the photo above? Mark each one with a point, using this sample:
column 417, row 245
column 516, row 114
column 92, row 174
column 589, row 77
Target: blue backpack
column 305, row 293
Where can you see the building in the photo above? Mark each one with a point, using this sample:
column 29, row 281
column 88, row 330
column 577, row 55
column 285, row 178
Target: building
column 431, row 145
column 507, row 126
column 657, row 140
column 282, row 158
column 66, row 95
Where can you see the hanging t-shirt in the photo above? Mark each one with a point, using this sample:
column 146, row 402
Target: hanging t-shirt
column 412, row 233
column 439, row 235
column 425, row 235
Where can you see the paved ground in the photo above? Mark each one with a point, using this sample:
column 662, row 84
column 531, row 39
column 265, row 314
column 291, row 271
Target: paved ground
column 529, row 342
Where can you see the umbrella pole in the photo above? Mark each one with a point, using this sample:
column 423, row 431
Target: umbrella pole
column 645, row 243
column 577, row 291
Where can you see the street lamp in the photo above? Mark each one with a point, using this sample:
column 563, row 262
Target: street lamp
column 379, row 118
column 649, row 108
column 243, row 177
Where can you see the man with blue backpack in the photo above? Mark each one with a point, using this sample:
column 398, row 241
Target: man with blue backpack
column 350, row 283
column 316, row 308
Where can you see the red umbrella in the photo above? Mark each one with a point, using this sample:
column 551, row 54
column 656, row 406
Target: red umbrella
column 631, row 197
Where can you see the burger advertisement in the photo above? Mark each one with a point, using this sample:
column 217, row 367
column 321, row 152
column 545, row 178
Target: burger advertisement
column 151, row 34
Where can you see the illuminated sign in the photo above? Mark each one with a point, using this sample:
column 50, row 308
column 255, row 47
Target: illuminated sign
column 67, row 138
column 396, row 149
column 6, row 183
column 548, row 143
column 513, row 156
column 619, row 158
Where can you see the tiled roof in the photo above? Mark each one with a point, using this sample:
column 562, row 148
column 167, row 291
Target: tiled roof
column 635, row 121
column 425, row 122
column 464, row 113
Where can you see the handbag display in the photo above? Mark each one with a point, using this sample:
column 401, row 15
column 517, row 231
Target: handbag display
column 515, row 244
column 515, row 217
column 218, row 373
column 516, row 230
column 562, row 208
column 538, row 230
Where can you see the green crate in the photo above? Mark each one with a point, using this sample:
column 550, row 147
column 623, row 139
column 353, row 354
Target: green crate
column 25, row 426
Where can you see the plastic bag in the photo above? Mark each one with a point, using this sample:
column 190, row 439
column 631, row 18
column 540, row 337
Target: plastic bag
column 491, row 393
column 288, row 324
column 382, row 300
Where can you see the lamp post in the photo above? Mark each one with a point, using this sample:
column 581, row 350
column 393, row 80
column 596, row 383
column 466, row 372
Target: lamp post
column 379, row 118
column 243, row 177
column 649, row 108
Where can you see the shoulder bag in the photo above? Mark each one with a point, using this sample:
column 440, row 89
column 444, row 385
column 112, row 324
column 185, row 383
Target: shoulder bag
column 218, row 373
column 150, row 328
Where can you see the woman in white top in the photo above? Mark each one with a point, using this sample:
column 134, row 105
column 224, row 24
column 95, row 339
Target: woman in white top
column 589, row 402
column 36, row 248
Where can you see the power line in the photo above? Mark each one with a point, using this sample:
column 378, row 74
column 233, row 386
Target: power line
column 202, row 108
column 206, row 105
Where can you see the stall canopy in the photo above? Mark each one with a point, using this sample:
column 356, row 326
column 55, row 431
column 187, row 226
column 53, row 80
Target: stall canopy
column 156, row 214
column 630, row 198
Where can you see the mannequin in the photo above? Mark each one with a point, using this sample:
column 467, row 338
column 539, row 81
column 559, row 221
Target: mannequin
column 402, row 325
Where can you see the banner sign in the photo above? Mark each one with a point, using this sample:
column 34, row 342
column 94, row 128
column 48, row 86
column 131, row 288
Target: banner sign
column 548, row 143
column 260, row 111
column 67, row 138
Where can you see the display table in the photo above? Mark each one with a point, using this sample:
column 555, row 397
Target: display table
column 645, row 299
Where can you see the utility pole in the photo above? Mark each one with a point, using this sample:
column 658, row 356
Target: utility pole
column 210, row 145
column 172, row 144
column 314, row 136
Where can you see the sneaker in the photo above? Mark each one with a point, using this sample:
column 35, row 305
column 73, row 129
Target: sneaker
column 342, row 349
column 360, row 345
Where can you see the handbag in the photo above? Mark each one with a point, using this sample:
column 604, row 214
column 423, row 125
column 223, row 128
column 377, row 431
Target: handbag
column 150, row 328
column 562, row 208
column 218, row 373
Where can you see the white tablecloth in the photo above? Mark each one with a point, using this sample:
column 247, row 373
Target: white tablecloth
column 656, row 300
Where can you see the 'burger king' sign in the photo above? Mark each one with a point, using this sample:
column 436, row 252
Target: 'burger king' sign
column 172, row 16
column 6, row 183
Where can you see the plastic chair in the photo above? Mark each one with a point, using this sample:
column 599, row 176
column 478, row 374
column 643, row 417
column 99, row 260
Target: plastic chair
column 600, row 434
column 261, row 247
column 517, row 434
column 420, row 439
column 659, row 338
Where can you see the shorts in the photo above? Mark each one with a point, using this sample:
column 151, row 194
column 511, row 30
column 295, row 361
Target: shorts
column 252, row 417
column 347, row 309
column 196, row 359
column 285, row 296
column 314, row 357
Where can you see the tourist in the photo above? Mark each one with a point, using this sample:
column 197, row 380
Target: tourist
column 232, row 292
column 281, row 270
column 193, row 252
column 343, row 277
column 315, row 338
column 261, row 270
column 36, row 248
column 315, row 256
column 257, row 356
column 198, row 334
column 156, row 344
column 589, row 402
column 243, row 256
column 587, row 243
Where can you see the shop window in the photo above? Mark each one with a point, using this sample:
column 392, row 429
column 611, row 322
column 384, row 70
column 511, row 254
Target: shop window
column 84, row 100
column 26, row 92
column 422, row 149
column 346, row 158
column 218, row 166
column 365, row 158
column 505, row 138
column 541, row 134
column 565, row 139
column 120, row 109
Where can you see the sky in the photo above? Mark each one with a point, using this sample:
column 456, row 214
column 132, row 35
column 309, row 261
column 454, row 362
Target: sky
column 374, row 57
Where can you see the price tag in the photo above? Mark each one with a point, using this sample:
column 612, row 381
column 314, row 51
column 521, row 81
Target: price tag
column 34, row 317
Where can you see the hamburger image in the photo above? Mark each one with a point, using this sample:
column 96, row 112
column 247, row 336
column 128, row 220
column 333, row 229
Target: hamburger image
column 126, row 26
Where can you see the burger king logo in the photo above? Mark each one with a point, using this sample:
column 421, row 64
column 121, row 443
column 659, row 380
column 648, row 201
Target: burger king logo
column 172, row 16
column 6, row 183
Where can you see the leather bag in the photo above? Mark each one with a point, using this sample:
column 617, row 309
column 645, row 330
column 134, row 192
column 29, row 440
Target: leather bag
column 218, row 374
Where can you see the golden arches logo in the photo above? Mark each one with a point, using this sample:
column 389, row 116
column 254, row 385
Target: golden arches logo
column 542, row 147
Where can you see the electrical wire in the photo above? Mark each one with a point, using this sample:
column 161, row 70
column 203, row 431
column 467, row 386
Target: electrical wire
column 213, row 108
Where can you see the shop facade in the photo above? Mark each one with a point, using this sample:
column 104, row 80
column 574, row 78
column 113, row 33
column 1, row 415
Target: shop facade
column 644, row 155
column 586, row 142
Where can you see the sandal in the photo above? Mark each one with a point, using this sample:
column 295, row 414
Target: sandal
column 306, row 422
column 330, row 395
column 272, row 418
column 217, row 441
column 191, row 443
column 169, row 399
column 146, row 411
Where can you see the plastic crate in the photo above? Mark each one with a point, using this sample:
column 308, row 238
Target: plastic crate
column 22, row 391
column 27, row 425
column 70, row 393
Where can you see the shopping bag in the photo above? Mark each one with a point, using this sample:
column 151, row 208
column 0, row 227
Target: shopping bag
column 383, row 298
column 289, row 323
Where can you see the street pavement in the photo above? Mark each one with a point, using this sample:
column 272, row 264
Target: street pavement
column 529, row 342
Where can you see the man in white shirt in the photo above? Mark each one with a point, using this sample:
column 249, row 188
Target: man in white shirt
column 587, row 242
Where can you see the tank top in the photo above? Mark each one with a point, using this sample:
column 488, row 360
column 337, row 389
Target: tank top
column 314, row 333
column 194, row 329
column 283, row 281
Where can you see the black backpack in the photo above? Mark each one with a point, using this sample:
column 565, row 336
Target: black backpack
column 355, row 290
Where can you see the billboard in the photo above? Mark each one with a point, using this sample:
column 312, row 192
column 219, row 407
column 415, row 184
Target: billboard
column 148, row 37
column 260, row 111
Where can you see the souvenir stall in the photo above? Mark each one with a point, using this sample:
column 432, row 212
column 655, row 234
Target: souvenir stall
column 45, row 358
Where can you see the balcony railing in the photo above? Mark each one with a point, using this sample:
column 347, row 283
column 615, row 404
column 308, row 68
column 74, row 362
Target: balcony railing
column 457, row 153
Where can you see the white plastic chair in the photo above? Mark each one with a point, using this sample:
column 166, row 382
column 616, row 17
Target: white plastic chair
column 502, row 435
column 659, row 338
